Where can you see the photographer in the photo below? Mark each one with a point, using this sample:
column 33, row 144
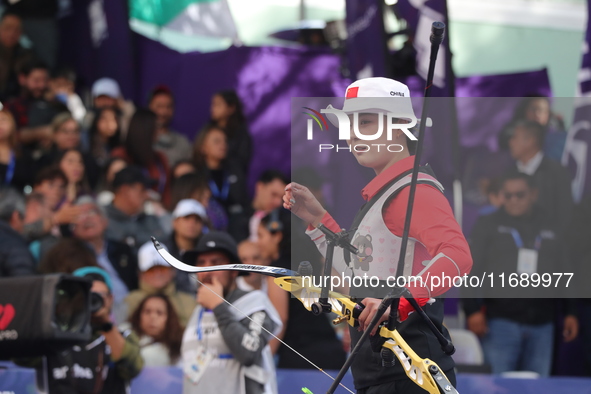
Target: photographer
column 109, row 361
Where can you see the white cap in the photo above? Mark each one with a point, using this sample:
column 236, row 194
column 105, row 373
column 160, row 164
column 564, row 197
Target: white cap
column 106, row 87
column 377, row 95
column 149, row 257
column 188, row 207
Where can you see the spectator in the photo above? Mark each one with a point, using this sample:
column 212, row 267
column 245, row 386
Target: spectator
column 105, row 135
column 62, row 86
column 552, row 180
column 109, row 360
column 494, row 196
column 227, row 183
column 226, row 114
column 173, row 145
column 536, row 108
column 12, row 54
column 15, row 259
column 193, row 185
column 189, row 221
column 127, row 221
column 157, row 277
column 116, row 258
column 138, row 150
column 157, row 325
column 107, row 94
column 66, row 256
column 32, row 112
column 237, row 355
column 517, row 333
column 268, row 196
column 71, row 162
column 15, row 168
column 40, row 26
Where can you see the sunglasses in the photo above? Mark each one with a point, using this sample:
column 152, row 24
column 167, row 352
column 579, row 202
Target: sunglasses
column 519, row 195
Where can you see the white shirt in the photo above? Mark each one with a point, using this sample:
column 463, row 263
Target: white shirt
column 532, row 165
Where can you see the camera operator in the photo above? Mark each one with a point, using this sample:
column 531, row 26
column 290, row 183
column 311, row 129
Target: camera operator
column 109, row 361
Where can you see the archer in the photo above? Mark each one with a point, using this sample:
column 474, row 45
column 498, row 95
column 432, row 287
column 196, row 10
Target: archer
column 436, row 244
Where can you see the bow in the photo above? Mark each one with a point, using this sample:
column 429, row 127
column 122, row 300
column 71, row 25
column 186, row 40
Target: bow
column 422, row 371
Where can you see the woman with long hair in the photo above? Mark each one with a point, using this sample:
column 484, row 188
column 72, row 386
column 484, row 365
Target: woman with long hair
column 226, row 181
column 71, row 162
column 157, row 325
column 139, row 150
column 105, row 134
column 227, row 114
column 15, row 169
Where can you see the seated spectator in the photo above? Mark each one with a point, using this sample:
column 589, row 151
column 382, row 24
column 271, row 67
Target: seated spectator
column 105, row 135
column 15, row 168
column 107, row 94
column 71, row 162
column 32, row 112
column 127, row 221
column 110, row 359
column 62, row 86
column 15, row 259
column 227, row 182
column 189, row 222
column 12, row 54
column 173, row 145
column 494, row 196
column 536, row 108
column 518, row 333
column 66, row 135
column 268, row 196
column 157, row 325
column 226, row 114
column 157, row 277
column 116, row 258
column 51, row 183
column 238, row 355
column 138, row 150
column 194, row 186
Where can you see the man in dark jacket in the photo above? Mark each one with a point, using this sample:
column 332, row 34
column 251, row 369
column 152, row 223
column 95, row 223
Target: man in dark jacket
column 15, row 258
column 127, row 221
column 517, row 333
column 552, row 179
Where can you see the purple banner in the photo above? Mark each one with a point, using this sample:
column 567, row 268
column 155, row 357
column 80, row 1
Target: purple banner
column 366, row 41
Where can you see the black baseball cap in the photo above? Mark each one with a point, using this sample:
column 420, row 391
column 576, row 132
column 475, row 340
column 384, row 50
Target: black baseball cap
column 130, row 175
column 214, row 241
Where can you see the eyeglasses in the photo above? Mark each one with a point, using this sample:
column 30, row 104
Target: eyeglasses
column 519, row 195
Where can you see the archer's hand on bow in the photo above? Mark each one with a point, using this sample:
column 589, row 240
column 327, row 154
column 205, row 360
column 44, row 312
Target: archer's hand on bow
column 300, row 200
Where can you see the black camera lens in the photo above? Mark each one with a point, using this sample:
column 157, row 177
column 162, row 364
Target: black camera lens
column 96, row 302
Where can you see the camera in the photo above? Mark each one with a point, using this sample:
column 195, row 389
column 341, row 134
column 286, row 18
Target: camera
column 96, row 302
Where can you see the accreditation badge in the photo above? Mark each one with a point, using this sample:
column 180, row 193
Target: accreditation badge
column 195, row 363
column 527, row 261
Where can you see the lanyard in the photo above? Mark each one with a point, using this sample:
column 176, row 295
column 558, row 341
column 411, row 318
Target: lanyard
column 10, row 169
column 200, row 334
column 519, row 242
column 216, row 192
